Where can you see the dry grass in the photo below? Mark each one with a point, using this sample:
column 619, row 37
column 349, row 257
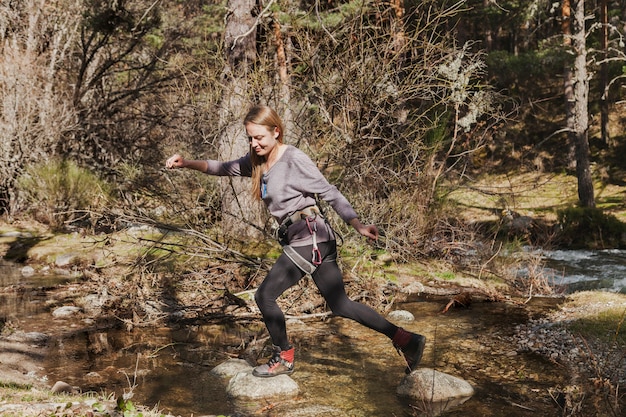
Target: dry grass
column 27, row 401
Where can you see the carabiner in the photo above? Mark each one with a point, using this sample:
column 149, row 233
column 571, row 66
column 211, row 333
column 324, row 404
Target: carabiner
column 312, row 229
column 317, row 256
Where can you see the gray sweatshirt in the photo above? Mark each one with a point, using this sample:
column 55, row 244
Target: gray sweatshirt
column 290, row 185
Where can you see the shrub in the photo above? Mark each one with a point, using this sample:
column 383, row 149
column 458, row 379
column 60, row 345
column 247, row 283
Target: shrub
column 60, row 193
column 590, row 228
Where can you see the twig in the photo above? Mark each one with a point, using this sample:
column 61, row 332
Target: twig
column 523, row 407
column 309, row 316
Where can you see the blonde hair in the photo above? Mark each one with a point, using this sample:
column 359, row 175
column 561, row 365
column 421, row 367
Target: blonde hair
column 263, row 116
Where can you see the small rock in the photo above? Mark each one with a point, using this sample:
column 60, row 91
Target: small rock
column 60, row 387
column 15, row 233
column 65, row 259
column 401, row 315
column 295, row 322
column 65, row 311
column 93, row 303
column 143, row 229
column 28, row 271
column 413, row 288
column 35, row 338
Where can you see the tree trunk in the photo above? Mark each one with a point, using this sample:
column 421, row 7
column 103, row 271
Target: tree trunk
column 568, row 84
column 399, row 37
column 604, row 73
column 488, row 34
column 399, row 43
column 241, row 214
column 581, row 113
column 623, row 17
column 282, row 61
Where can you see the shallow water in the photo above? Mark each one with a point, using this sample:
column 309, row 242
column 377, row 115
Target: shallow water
column 340, row 365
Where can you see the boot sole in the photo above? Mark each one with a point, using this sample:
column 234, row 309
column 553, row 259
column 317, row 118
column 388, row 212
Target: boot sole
column 260, row 375
column 417, row 357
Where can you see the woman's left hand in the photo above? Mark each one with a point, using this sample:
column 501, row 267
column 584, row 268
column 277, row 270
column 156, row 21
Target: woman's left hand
column 370, row 231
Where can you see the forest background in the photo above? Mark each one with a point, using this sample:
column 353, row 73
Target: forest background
column 415, row 110
column 403, row 105
column 420, row 112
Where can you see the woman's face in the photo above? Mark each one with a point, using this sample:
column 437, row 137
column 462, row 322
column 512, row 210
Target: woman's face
column 262, row 139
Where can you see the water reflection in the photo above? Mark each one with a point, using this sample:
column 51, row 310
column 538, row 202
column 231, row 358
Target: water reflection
column 23, row 298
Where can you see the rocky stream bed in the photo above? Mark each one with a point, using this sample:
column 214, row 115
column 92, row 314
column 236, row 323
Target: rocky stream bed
column 520, row 355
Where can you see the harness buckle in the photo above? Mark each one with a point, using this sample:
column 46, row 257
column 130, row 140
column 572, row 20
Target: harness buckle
column 304, row 214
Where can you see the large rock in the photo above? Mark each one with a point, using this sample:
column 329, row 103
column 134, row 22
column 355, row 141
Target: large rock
column 244, row 385
column 433, row 386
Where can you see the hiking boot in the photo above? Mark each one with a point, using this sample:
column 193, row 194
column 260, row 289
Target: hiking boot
column 281, row 363
column 410, row 346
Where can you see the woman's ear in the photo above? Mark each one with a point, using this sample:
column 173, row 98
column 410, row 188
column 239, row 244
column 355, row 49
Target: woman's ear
column 276, row 133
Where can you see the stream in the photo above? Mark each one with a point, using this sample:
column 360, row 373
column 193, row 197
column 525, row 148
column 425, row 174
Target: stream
column 582, row 270
column 339, row 364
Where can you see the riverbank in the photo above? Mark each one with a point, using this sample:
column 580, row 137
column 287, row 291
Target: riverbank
column 567, row 335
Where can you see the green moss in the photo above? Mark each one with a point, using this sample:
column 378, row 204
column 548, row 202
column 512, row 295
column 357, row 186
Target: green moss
column 446, row 276
column 607, row 326
column 15, row 386
column 391, row 277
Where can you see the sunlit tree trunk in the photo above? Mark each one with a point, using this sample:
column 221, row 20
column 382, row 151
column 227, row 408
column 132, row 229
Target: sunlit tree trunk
column 581, row 112
column 240, row 212
column 282, row 62
column 399, row 43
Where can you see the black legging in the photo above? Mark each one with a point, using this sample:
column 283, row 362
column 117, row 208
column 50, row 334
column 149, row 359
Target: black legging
column 329, row 281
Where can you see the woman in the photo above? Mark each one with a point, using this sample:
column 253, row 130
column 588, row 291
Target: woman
column 287, row 181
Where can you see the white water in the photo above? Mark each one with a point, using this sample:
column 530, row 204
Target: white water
column 587, row 270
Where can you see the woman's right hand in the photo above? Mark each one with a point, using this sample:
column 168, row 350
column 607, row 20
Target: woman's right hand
column 175, row 161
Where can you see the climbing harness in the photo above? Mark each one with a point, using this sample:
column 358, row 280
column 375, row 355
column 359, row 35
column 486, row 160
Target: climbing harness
column 309, row 214
column 311, row 211
column 304, row 265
